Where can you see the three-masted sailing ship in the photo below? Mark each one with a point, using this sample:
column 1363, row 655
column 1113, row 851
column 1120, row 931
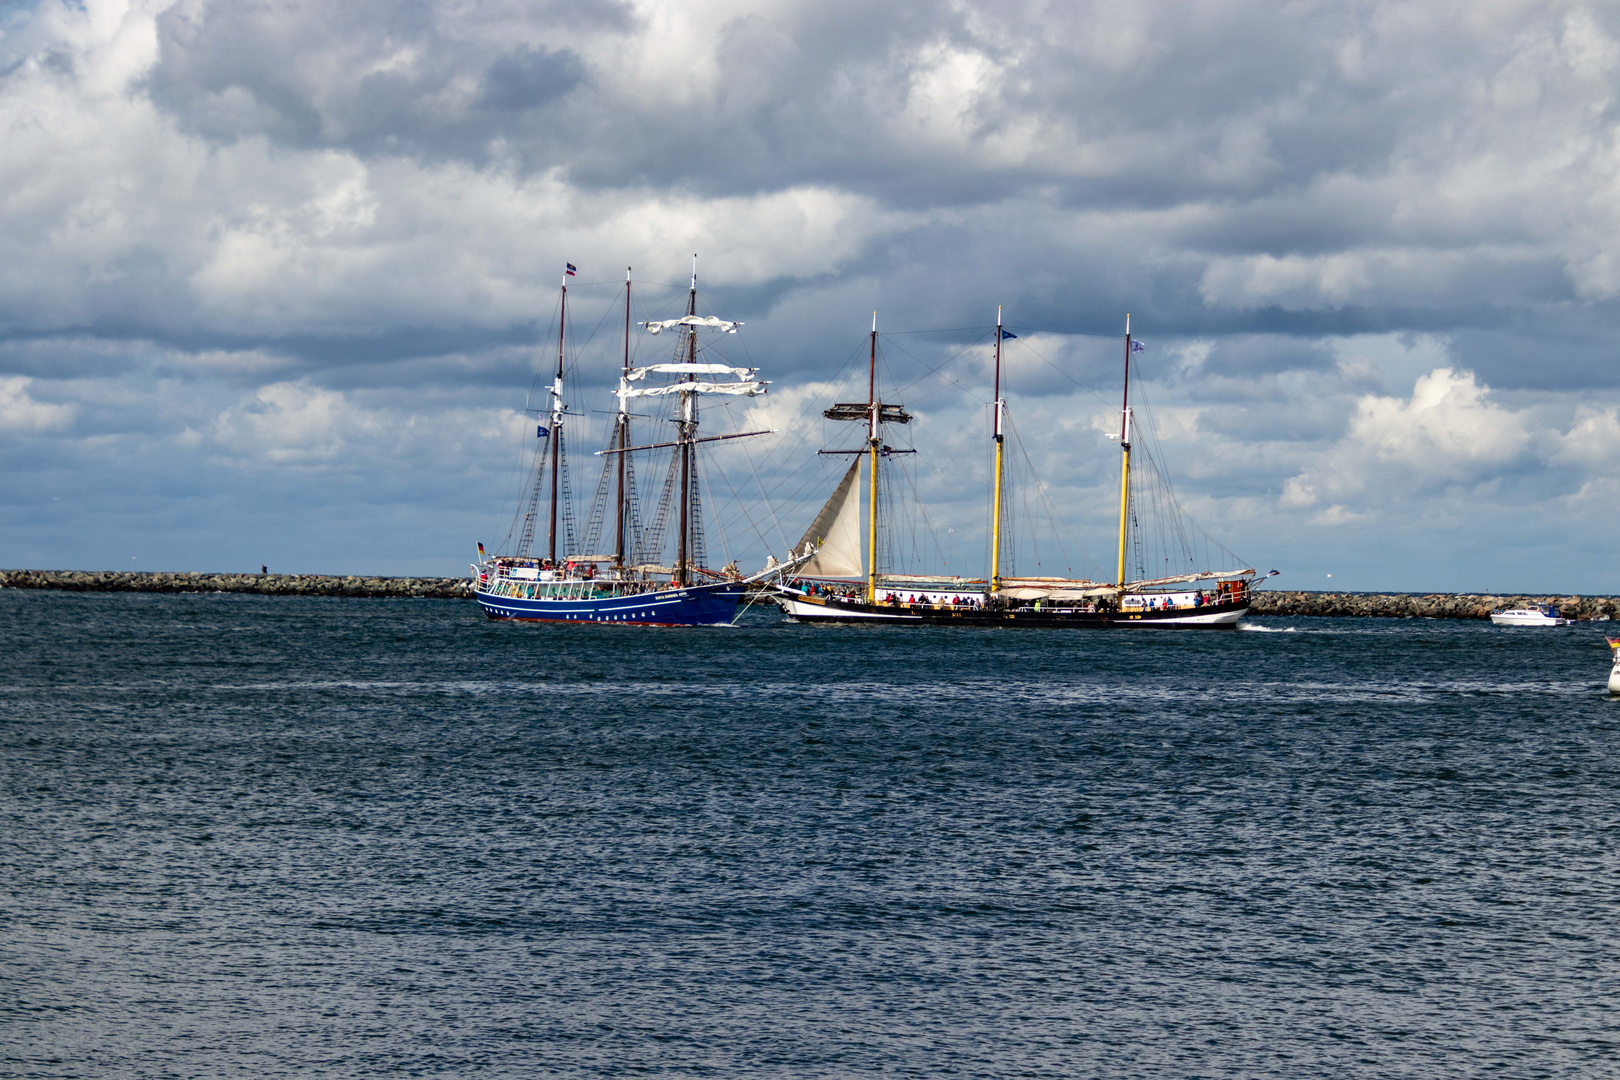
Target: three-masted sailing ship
column 840, row 583
column 631, row 584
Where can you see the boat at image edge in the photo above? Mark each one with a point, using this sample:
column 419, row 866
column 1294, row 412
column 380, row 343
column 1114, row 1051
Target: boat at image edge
column 838, row 585
column 629, row 585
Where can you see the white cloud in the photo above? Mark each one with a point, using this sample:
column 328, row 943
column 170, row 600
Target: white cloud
column 19, row 412
column 297, row 424
column 1449, row 428
column 1593, row 442
column 1448, row 433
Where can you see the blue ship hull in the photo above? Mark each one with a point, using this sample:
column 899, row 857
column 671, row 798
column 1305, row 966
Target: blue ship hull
column 694, row 605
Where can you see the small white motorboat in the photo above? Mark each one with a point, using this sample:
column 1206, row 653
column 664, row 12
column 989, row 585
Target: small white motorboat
column 1614, row 672
column 1530, row 615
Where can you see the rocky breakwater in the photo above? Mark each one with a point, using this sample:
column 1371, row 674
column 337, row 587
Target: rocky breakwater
column 1426, row 606
column 262, row 584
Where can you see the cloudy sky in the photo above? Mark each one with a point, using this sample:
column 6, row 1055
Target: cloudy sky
column 275, row 276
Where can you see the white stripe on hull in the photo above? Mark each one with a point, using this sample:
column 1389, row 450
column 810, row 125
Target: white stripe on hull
column 1219, row 618
column 822, row 611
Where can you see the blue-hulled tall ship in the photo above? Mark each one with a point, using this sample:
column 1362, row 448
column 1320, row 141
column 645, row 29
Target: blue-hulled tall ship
column 573, row 581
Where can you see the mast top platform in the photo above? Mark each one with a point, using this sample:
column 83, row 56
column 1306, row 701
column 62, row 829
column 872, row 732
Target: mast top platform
column 862, row 410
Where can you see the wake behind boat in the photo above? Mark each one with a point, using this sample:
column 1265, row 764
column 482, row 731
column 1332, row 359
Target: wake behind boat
column 824, row 591
column 632, row 584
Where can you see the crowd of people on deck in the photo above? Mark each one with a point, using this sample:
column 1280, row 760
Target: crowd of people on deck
column 587, row 571
column 821, row 588
column 924, row 600
column 855, row 593
column 567, row 569
column 1225, row 592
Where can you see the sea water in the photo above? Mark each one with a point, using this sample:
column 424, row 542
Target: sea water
column 248, row 836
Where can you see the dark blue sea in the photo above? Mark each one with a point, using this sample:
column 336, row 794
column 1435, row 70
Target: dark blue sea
column 270, row 837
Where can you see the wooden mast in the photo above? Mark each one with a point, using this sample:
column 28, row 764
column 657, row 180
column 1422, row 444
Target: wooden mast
column 874, row 440
column 1125, row 460
column 556, row 425
column 684, row 429
column 624, row 438
column 995, row 511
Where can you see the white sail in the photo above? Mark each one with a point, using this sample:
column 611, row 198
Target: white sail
column 708, row 322
column 837, row 532
column 744, row 389
column 637, row 374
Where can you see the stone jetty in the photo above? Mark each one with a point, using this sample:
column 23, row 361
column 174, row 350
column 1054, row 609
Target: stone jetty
column 263, row 584
column 1266, row 601
column 1422, row 606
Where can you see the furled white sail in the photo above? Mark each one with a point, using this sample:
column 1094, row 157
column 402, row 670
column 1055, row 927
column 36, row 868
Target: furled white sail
column 837, row 531
column 708, row 322
column 637, row 374
column 1026, row 592
column 744, row 389
column 1203, row 575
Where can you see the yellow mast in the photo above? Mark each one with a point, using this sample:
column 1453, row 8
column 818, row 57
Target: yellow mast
column 875, row 440
column 1125, row 460
column 995, row 510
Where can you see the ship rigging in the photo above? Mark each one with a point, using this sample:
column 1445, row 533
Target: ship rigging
column 825, row 592
column 574, row 581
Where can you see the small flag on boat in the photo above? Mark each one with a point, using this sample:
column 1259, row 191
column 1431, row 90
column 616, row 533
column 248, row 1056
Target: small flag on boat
column 1136, row 346
column 1005, row 334
column 540, row 431
column 480, row 551
column 572, row 270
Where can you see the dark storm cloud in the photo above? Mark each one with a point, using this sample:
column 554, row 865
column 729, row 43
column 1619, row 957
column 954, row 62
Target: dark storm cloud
column 530, row 78
column 1251, row 355
column 1560, row 350
column 386, row 77
column 1308, row 132
column 800, row 98
column 112, row 347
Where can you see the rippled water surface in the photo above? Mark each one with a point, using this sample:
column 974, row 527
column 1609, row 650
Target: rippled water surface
column 249, row 836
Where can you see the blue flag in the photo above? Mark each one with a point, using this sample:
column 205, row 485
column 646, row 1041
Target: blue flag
column 1136, row 346
column 1005, row 334
column 540, row 431
column 571, row 269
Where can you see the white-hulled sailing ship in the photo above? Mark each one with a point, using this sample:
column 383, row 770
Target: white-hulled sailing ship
column 572, row 581
column 839, row 584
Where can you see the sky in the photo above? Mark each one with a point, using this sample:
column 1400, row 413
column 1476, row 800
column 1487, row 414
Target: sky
column 276, row 277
